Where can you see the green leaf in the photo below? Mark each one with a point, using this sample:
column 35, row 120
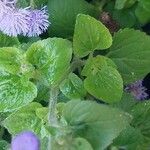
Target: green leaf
column 43, row 93
column 81, row 144
column 94, row 64
column 13, row 61
column 127, row 102
column 7, row 41
column 128, row 136
column 120, row 4
column 10, row 59
column 121, row 17
column 51, row 58
column 67, row 143
column 15, row 92
column 138, row 137
column 73, row 87
column 143, row 11
column 3, row 145
column 24, row 119
column 141, row 120
column 89, row 35
column 130, row 51
column 62, row 15
column 106, row 84
column 34, row 3
column 42, row 113
column 97, row 123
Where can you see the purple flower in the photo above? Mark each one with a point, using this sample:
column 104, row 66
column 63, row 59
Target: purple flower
column 14, row 21
column 137, row 90
column 37, row 21
column 25, row 141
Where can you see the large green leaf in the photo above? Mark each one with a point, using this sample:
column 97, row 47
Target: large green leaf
column 24, row 119
column 62, row 15
column 15, row 92
column 143, row 11
column 128, row 136
column 94, row 64
column 131, row 51
column 105, row 84
column 73, row 87
column 141, row 120
column 10, row 59
column 6, row 41
column 139, row 132
column 89, row 35
column 120, row 4
column 97, row 123
column 51, row 58
column 13, row 61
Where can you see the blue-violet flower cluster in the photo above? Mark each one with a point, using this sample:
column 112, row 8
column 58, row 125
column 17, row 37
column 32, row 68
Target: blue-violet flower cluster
column 22, row 21
column 137, row 90
column 26, row 140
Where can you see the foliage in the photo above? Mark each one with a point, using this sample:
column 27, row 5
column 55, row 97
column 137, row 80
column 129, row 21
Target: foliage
column 67, row 86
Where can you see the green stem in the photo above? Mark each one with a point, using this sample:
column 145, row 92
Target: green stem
column 52, row 106
column 52, row 116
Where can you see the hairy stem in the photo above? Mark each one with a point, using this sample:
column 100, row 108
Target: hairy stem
column 52, row 116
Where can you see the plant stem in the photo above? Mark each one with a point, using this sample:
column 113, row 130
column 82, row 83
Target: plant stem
column 52, row 116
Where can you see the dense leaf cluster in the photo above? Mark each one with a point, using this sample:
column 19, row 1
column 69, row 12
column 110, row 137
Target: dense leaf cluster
column 83, row 67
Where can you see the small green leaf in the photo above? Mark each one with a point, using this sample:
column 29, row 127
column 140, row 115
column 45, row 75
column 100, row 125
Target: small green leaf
column 89, row 35
column 51, row 58
column 15, row 92
column 73, row 87
column 7, row 41
column 97, row 123
column 24, row 119
column 81, row 144
column 42, row 113
column 105, row 84
column 130, row 51
column 94, row 64
column 62, row 15
column 69, row 143
column 43, row 93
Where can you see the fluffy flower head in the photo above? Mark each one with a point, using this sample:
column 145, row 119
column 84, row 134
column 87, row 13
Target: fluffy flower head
column 137, row 90
column 25, row 141
column 17, row 21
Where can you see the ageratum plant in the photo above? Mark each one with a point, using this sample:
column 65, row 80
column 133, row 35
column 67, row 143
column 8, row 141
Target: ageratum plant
column 72, row 75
